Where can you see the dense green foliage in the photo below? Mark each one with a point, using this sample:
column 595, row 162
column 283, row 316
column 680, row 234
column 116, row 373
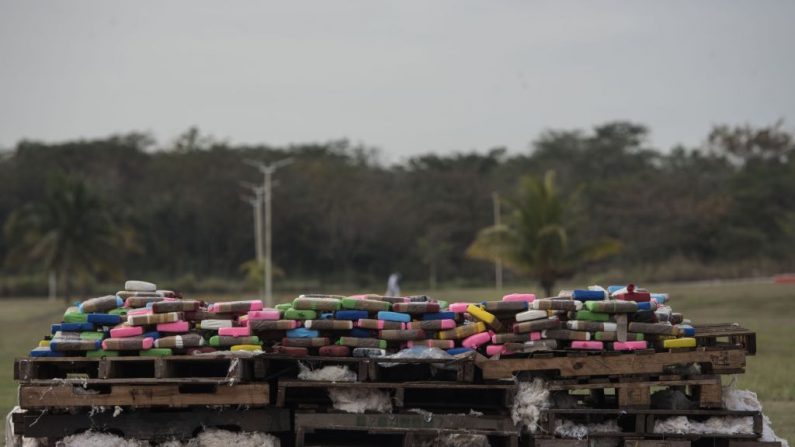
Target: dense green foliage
column 538, row 236
column 342, row 216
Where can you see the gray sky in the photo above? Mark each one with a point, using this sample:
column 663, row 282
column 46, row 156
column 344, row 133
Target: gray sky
column 405, row 76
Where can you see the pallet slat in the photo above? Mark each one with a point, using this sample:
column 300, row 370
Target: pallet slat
column 175, row 395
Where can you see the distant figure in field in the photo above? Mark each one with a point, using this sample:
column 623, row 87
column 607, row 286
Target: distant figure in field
column 392, row 286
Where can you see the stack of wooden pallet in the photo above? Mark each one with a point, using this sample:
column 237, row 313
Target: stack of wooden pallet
column 163, row 398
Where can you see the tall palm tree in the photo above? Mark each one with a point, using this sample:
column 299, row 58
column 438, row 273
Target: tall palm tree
column 70, row 234
column 536, row 238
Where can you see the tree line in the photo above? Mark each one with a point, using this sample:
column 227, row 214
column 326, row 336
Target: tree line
column 341, row 216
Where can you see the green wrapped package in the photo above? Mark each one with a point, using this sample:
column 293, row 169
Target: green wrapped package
column 92, row 335
column 73, row 315
column 612, row 306
column 121, row 311
column 359, row 342
column 284, row 306
column 223, row 341
column 296, row 314
column 102, row 353
column 156, row 352
column 587, row 315
column 364, row 304
column 317, row 303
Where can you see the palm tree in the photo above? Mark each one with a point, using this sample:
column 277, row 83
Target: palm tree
column 536, row 238
column 70, row 234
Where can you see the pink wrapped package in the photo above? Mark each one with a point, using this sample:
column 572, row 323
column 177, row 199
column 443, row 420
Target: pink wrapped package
column 241, row 331
column 139, row 311
column 174, row 327
column 629, row 345
column 528, row 297
column 126, row 331
column 476, row 340
column 458, row 307
column 593, row 345
column 379, row 324
column 492, row 350
column 265, row 314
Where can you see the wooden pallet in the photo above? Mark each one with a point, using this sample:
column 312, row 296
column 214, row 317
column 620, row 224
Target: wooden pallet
column 173, row 395
column 726, row 334
column 375, row 370
column 717, row 361
column 423, row 395
column 639, row 423
column 152, row 424
column 398, row 429
column 205, row 368
column 635, row 391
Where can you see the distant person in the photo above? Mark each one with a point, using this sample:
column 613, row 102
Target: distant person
column 392, row 286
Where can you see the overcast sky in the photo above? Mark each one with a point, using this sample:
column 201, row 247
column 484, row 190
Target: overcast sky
column 405, row 76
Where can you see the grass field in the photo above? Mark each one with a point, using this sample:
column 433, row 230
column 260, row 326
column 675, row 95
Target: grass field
column 768, row 309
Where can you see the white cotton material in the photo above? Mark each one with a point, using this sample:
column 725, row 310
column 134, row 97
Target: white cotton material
column 139, row 286
column 208, row 438
column 224, row 438
column 747, row 400
column 740, row 400
column 331, row 373
column 451, row 440
column 570, row 429
column 97, row 439
column 360, row 400
column 528, row 402
column 531, row 314
column 715, row 425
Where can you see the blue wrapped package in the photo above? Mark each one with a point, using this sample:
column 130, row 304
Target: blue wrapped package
column 154, row 335
column 456, row 351
column 325, row 316
column 661, row 298
column 394, row 316
column 361, row 333
column 351, row 314
column 611, row 289
column 104, row 319
column 439, row 316
column 687, row 330
column 43, row 352
column 71, row 327
column 302, row 332
column 588, row 295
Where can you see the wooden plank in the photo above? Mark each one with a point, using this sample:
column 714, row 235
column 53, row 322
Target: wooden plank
column 343, row 421
column 552, row 442
column 710, row 395
column 559, row 385
column 634, row 396
column 746, row 443
column 718, row 361
column 154, row 424
column 143, row 395
column 655, row 443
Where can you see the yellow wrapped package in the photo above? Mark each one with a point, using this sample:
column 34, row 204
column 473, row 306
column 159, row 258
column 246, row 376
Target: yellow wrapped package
column 686, row 342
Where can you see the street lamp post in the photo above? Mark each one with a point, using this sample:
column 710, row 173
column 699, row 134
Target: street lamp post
column 267, row 171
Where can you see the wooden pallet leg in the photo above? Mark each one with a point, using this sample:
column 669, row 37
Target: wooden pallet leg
column 299, row 437
column 634, row 397
column 710, row 396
